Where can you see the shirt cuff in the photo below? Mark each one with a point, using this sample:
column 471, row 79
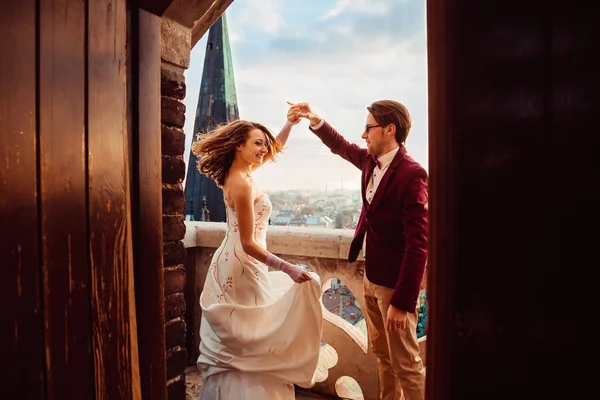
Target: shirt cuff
column 317, row 126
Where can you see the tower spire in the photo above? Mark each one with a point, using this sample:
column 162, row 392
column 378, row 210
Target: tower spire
column 217, row 104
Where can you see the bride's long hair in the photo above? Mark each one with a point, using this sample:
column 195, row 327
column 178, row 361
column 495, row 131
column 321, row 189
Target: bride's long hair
column 217, row 148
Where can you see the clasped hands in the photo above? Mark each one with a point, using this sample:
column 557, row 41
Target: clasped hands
column 298, row 111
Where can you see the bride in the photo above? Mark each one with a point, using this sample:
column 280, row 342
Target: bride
column 260, row 330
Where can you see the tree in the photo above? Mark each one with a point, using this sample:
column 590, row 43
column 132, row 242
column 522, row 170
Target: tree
column 339, row 221
column 307, row 210
column 343, row 218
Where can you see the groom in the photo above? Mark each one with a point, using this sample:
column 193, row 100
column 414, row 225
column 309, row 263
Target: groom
column 392, row 233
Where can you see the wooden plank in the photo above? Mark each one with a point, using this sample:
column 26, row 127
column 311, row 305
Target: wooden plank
column 63, row 197
column 21, row 329
column 441, row 266
column 208, row 18
column 113, row 298
column 187, row 12
column 147, row 216
column 156, row 7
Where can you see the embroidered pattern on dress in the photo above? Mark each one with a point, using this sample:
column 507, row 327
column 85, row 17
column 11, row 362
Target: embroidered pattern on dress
column 226, row 283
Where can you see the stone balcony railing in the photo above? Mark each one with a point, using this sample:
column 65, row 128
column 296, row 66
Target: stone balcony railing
column 347, row 365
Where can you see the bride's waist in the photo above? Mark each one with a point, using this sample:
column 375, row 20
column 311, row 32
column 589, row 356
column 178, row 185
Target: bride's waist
column 259, row 235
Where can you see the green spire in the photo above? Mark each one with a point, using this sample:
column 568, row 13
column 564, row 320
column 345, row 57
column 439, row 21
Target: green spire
column 217, row 104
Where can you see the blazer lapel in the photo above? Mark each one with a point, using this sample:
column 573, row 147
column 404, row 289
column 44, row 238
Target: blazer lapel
column 386, row 177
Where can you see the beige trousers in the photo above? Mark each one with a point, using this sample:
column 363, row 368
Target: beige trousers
column 399, row 365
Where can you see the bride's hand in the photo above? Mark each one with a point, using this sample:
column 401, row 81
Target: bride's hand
column 293, row 116
column 302, row 277
column 296, row 272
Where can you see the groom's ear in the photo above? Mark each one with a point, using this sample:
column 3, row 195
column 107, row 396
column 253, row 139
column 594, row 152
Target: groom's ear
column 390, row 130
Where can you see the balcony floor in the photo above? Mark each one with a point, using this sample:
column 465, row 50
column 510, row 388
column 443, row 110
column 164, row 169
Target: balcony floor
column 302, row 394
column 194, row 382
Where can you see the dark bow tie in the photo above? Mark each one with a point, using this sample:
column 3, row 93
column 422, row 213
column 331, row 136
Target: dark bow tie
column 376, row 161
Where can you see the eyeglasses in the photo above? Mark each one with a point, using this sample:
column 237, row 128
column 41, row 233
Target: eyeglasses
column 369, row 127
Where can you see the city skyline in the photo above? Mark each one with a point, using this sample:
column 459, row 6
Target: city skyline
column 339, row 56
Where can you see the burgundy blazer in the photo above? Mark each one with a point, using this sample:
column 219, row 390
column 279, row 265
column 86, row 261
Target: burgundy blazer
column 395, row 221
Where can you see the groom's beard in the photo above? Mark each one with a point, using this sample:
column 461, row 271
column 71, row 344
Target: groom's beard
column 373, row 151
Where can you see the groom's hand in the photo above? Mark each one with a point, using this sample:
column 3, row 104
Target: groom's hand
column 303, row 110
column 396, row 319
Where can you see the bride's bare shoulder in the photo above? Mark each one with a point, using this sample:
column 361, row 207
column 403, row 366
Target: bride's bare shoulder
column 237, row 188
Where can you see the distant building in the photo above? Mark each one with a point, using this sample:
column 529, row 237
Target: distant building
column 274, row 214
column 336, row 283
column 288, row 209
column 282, row 220
column 318, row 222
column 319, row 203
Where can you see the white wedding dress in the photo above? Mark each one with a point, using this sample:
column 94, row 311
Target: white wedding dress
column 260, row 332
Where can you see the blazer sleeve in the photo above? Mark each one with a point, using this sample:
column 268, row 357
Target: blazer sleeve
column 414, row 218
column 340, row 146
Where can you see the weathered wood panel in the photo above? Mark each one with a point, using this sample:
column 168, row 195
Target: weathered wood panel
column 513, row 122
column 147, row 201
column 64, row 202
column 21, row 329
column 113, row 299
column 441, row 265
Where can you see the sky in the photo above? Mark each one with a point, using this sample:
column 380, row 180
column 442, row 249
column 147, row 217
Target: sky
column 338, row 55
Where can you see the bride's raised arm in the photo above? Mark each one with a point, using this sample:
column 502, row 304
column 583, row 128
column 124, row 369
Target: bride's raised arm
column 284, row 133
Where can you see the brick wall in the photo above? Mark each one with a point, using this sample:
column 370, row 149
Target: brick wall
column 175, row 55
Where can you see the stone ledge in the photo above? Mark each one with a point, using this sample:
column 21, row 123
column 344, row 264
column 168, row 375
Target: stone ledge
column 289, row 240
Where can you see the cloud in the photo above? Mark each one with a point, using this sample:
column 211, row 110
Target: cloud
column 340, row 64
column 258, row 16
column 386, row 23
column 377, row 7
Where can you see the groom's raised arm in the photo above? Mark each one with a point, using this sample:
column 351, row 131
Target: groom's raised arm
column 339, row 145
column 329, row 136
